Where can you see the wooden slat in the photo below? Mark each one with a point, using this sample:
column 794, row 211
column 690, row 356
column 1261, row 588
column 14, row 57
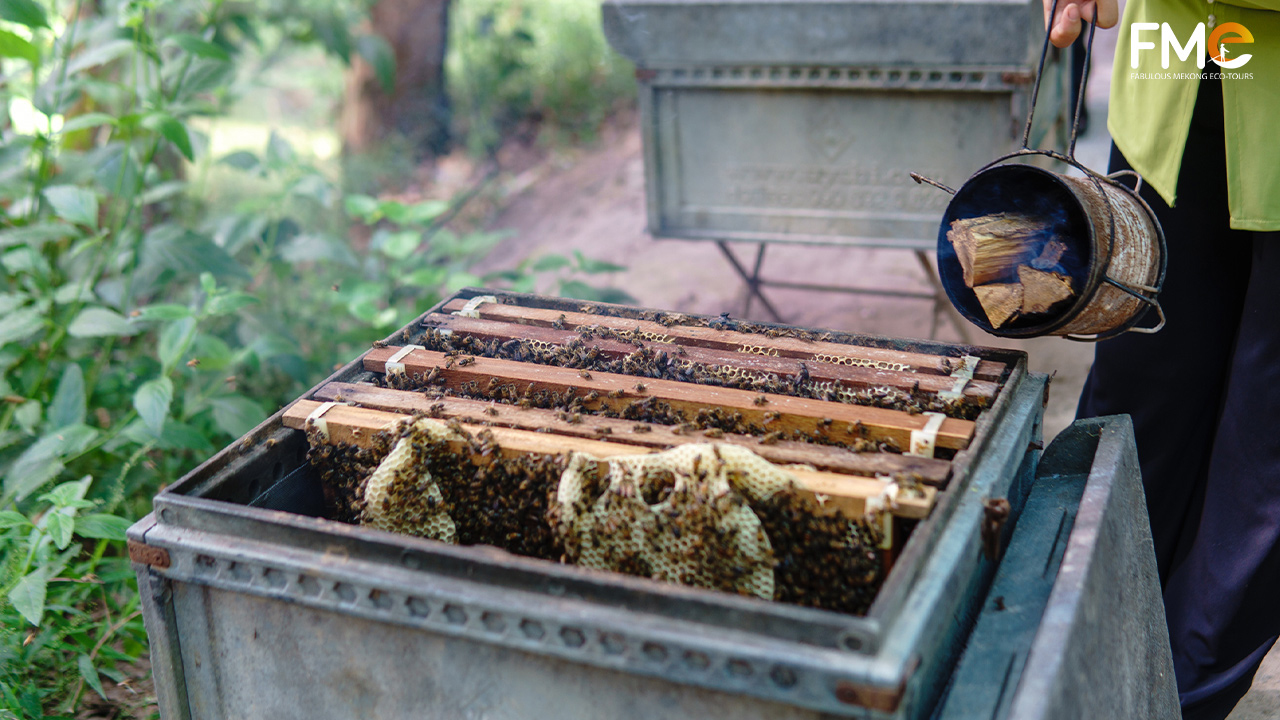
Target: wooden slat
column 793, row 414
column 783, row 367
column 828, row 492
column 821, row 457
column 727, row 340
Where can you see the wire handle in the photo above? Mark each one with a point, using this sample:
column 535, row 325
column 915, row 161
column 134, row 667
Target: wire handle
column 1084, row 82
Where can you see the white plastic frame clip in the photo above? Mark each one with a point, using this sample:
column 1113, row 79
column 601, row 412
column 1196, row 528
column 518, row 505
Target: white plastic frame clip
column 471, row 309
column 393, row 365
column 962, row 375
column 924, row 439
column 316, row 419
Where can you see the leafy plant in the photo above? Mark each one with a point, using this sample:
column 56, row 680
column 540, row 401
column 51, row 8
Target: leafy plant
column 141, row 324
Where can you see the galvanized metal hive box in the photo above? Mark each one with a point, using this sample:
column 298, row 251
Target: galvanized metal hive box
column 259, row 607
column 798, row 121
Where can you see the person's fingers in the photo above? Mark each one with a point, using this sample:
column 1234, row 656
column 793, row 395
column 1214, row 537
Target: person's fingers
column 1066, row 28
column 1108, row 13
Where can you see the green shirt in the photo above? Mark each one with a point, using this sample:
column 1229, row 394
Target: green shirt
column 1149, row 117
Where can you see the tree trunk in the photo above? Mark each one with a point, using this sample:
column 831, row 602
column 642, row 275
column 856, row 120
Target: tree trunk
column 417, row 110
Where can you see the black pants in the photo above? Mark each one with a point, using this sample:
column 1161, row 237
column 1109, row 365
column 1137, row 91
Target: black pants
column 1204, row 394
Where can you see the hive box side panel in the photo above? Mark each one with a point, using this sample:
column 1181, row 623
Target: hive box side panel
column 817, row 165
column 254, row 657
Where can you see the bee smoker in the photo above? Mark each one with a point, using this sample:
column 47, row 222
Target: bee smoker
column 1115, row 247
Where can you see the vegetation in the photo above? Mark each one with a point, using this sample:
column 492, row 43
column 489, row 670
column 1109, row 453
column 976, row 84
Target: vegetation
column 144, row 324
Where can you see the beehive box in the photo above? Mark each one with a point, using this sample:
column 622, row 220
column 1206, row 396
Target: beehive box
column 261, row 600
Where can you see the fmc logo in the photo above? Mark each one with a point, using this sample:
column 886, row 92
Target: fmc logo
column 1223, row 35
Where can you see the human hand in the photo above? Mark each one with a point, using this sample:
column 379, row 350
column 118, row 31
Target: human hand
column 1065, row 28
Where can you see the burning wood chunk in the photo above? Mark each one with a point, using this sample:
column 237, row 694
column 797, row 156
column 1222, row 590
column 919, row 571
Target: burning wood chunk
column 1001, row 301
column 1042, row 291
column 989, row 248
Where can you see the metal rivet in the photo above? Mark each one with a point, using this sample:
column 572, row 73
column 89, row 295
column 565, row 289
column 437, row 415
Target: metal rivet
column 613, row 643
column 532, row 629
column 344, row 592
column 493, row 622
column 783, row 677
column 573, row 637
column 418, row 607
column 696, row 660
column 455, row 614
column 654, row 652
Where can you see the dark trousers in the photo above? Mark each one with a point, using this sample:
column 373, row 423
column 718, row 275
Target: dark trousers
column 1204, row 395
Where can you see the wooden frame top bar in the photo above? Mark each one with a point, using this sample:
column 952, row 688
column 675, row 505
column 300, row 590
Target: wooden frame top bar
column 649, row 435
column 694, row 335
column 855, row 377
column 828, row 492
column 815, row 418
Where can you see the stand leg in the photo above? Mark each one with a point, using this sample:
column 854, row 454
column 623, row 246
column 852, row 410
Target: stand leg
column 941, row 301
column 752, row 280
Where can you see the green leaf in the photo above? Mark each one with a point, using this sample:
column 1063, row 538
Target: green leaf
column 459, row 280
column 152, row 402
column 164, row 311
column 28, row 595
column 90, row 675
column 101, row 526
column 363, row 207
column 100, row 322
column 175, row 338
column 400, row 245
column 69, row 494
column 73, row 204
column 279, row 151
column 199, row 47
column 20, row 325
column 16, row 46
column 68, row 405
column 332, row 30
column 59, row 526
column 242, row 160
column 99, row 54
column 550, row 262
column 42, row 460
column 593, row 267
column 37, row 234
column 378, row 53
column 185, row 252
column 24, row 12
column 227, row 303
column 12, row 519
column 172, row 130
column 86, row 121
column 236, row 415
column 119, row 172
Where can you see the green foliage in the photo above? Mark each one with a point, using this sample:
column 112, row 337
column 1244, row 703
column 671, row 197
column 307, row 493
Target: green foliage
column 142, row 326
column 510, row 61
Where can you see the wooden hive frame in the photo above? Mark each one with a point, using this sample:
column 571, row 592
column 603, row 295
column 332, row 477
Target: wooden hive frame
column 833, row 477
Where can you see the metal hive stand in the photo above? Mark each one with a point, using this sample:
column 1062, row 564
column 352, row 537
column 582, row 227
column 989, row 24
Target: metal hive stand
column 754, row 285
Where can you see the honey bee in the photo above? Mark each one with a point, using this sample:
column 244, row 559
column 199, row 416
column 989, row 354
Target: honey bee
column 771, row 438
column 615, row 394
column 640, row 387
column 714, row 433
column 469, row 360
column 641, row 428
column 761, row 400
column 584, row 374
